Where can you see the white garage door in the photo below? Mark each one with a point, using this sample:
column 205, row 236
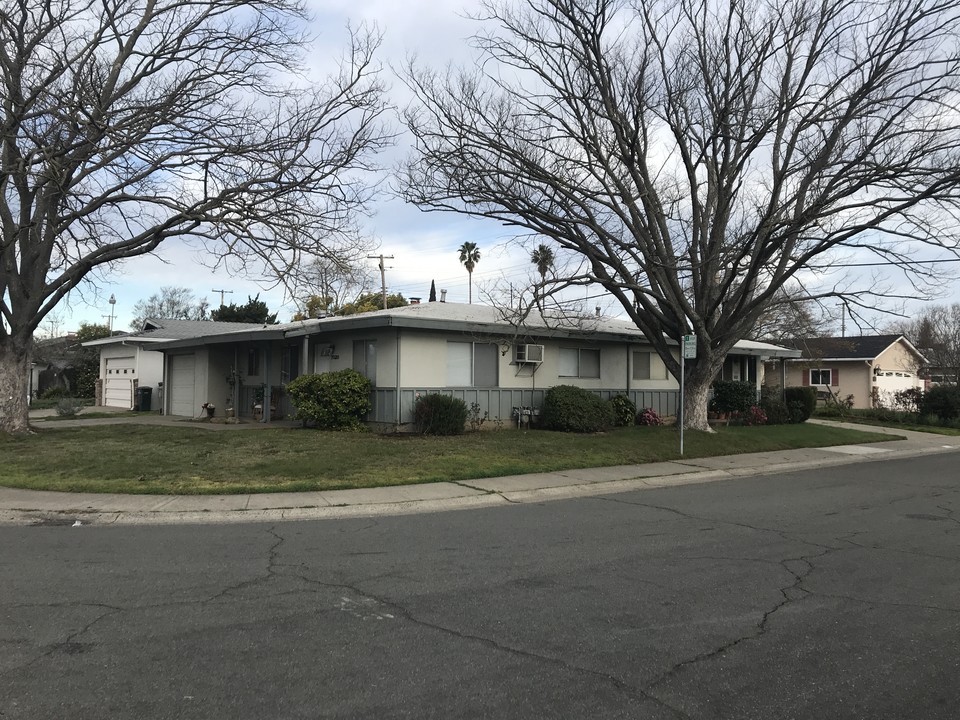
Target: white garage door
column 181, row 385
column 889, row 382
column 118, row 382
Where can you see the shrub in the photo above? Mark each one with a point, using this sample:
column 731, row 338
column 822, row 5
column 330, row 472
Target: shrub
column 334, row 400
column 908, row 400
column 942, row 401
column 55, row 392
column 733, row 396
column 774, row 407
column 754, row 416
column 623, row 410
column 436, row 414
column 68, row 407
column 649, row 416
column 801, row 402
column 572, row 409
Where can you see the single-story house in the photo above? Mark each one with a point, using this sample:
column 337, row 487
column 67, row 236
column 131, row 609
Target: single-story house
column 128, row 361
column 472, row 352
column 871, row 368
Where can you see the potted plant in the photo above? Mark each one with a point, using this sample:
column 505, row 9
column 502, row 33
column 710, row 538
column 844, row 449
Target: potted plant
column 210, row 408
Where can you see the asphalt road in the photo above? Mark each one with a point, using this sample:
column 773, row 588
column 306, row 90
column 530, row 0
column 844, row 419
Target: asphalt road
column 832, row 594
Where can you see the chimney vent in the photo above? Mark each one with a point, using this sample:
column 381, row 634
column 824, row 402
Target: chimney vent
column 414, row 301
column 443, row 296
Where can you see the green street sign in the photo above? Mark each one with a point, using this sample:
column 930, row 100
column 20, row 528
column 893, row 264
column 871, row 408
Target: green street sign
column 689, row 347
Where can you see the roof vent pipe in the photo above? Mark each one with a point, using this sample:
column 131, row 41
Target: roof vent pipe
column 443, row 296
column 598, row 311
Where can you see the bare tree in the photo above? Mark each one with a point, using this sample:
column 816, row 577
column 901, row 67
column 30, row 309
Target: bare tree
column 700, row 155
column 331, row 281
column 790, row 315
column 175, row 303
column 935, row 332
column 126, row 124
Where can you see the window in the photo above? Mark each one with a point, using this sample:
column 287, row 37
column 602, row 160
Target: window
column 472, row 364
column 579, row 362
column 289, row 363
column 253, row 361
column 365, row 359
column 648, row 366
column 820, row 377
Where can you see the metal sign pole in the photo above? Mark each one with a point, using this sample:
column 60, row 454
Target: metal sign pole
column 680, row 412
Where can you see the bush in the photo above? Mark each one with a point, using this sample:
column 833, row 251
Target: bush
column 733, row 396
column 942, row 401
column 55, row 392
column 436, row 414
column 774, row 407
column 334, row 400
column 801, row 402
column 623, row 410
column 649, row 416
column 908, row 400
column 68, row 407
column 572, row 409
column 754, row 416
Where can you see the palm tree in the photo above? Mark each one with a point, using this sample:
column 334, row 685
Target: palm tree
column 470, row 256
column 542, row 257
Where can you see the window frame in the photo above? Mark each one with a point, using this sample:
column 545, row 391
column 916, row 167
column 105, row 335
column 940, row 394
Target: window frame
column 580, row 351
column 828, row 371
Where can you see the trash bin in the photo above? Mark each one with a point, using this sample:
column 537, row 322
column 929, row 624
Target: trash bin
column 143, row 398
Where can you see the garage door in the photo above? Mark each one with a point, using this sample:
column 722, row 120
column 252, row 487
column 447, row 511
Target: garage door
column 118, row 382
column 181, row 385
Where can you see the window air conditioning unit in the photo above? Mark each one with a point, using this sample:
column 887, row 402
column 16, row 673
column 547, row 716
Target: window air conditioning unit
column 528, row 353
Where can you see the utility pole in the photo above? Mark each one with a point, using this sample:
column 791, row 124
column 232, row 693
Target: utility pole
column 222, row 293
column 383, row 274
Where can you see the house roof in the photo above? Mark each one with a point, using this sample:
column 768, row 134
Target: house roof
column 463, row 318
column 162, row 330
column 864, row 347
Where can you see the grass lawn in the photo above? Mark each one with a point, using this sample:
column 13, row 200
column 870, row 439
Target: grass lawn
column 162, row 460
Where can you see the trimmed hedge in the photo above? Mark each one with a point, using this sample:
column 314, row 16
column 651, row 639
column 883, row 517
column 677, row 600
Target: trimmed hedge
column 733, row 396
column 436, row 414
column 572, row 409
column 334, row 400
column 801, row 402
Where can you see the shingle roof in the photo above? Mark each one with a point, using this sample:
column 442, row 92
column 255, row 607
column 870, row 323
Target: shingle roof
column 182, row 329
column 865, row 347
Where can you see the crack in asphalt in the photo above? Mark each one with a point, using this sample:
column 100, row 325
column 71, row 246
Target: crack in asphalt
column 404, row 613
column 273, row 553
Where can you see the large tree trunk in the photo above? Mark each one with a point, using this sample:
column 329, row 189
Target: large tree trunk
column 696, row 390
column 14, row 385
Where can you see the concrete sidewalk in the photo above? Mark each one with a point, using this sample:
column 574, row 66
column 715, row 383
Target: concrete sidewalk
column 26, row 507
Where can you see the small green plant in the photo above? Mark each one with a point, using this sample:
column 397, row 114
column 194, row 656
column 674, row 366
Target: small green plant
column 733, row 396
column 475, row 418
column 572, row 409
column 68, row 407
column 333, row 401
column 624, row 411
column 436, row 414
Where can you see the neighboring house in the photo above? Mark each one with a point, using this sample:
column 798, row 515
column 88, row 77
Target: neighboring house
column 52, row 364
column 128, row 361
column 469, row 351
column 871, row 369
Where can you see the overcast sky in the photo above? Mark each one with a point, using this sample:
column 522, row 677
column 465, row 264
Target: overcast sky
column 424, row 245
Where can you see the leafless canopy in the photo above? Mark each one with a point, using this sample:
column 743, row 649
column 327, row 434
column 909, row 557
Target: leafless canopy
column 701, row 154
column 129, row 122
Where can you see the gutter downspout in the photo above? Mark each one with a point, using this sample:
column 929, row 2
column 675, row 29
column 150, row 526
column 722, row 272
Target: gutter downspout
column 397, row 384
column 267, row 388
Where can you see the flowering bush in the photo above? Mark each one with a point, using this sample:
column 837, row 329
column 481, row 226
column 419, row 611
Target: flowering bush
column 648, row 416
column 755, row 416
